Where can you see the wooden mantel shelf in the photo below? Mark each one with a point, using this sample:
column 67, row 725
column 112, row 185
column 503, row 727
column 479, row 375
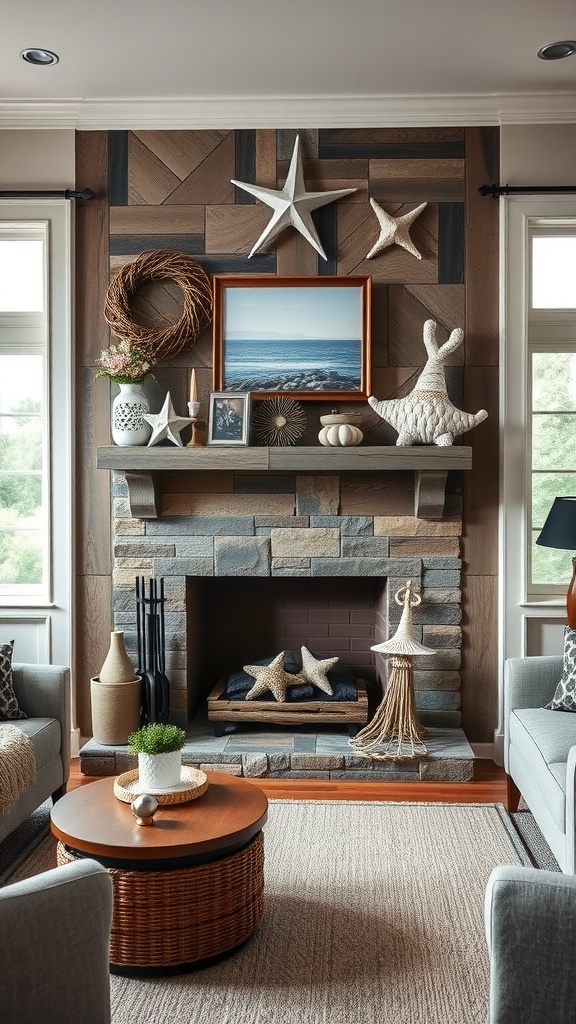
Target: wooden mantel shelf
column 143, row 467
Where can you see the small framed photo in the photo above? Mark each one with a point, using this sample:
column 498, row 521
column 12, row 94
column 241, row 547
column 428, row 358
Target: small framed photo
column 229, row 417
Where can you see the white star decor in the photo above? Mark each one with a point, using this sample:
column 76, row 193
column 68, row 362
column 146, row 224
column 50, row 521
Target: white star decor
column 315, row 670
column 292, row 205
column 394, row 230
column 166, row 424
column 272, row 677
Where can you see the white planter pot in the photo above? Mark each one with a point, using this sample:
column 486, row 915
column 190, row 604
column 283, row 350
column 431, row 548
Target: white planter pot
column 128, row 424
column 157, row 772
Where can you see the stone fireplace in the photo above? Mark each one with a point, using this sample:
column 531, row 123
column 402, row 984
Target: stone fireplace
column 241, row 587
column 255, row 562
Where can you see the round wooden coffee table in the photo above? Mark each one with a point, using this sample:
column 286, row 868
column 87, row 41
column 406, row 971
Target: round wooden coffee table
column 187, row 889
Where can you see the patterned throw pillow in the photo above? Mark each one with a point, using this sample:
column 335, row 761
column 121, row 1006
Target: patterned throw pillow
column 9, row 707
column 564, row 698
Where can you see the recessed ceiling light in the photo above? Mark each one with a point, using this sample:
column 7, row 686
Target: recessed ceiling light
column 556, row 51
column 35, row 55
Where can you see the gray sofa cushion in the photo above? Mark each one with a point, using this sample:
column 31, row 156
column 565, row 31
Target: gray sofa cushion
column 46, row 736
column 544, row 738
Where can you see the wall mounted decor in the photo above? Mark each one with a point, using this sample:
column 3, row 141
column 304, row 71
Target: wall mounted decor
column 166, row 424
column 156, row 340
column 426, row 415
column 279, row 421
column 308, row 336
column 292, row 205
column 229, row 418
column 394, row 230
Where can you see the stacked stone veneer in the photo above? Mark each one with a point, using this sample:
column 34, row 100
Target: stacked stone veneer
column 313, row 541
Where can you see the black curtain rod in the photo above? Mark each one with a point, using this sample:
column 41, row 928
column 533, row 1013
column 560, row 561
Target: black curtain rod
column 66, row 193
column 527, row 190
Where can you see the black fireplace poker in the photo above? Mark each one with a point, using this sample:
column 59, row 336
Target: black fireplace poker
column 151, row 638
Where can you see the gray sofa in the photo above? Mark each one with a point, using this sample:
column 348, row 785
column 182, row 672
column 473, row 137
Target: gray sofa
column 43, row 692
column 530, row 919
column 540, row 752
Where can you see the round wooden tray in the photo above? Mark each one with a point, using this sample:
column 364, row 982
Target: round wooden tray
column 193, row 783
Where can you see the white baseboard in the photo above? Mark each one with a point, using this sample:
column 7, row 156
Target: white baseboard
column 75, row 743
column 483, row 750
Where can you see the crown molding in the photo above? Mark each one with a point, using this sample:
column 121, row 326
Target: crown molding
column 287, row 112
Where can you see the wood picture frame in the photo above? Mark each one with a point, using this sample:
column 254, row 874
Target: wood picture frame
column 229, row 418
column 307, row 337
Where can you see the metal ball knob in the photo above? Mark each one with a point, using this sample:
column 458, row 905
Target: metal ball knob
column 144, row 808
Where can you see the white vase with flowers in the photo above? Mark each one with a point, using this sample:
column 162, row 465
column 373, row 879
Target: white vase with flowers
column 127, row 366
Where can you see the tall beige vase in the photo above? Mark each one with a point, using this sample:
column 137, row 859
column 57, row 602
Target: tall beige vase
column 116, row 696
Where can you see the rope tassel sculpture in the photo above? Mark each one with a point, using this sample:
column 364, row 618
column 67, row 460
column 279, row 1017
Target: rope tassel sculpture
column 395, row 733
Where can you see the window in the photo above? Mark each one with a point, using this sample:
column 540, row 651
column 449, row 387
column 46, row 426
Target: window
column 537, row 416
column 36, row 434
column 24, row 484
column 551, row 323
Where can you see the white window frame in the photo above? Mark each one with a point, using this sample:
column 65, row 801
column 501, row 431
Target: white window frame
column 28, row 332
column 532, row 624
column 42, row 625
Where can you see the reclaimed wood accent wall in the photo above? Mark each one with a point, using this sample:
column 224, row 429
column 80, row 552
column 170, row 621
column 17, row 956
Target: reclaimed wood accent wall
column 172, row 189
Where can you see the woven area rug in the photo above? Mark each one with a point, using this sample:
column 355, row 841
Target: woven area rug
column 373, row 911
column 21, row 843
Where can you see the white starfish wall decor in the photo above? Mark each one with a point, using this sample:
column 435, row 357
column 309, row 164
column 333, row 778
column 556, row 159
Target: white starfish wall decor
column 426, row 415
column 394, row 230
column 292, row 205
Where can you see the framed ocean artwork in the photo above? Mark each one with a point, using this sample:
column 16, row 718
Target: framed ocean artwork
column 308, row 337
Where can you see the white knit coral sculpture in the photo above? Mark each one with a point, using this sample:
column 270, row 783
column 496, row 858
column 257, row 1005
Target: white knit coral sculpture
column 426, row 415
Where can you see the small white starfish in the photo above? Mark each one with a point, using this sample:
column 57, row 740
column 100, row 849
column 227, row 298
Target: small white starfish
column 292, row 205
column 166, row 423
column 315, row 670
column 394, row 230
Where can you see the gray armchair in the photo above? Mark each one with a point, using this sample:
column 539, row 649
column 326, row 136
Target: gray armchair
column 530, row 918
column 54, row 946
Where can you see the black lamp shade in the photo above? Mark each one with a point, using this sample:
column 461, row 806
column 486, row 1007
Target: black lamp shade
column 559, row 530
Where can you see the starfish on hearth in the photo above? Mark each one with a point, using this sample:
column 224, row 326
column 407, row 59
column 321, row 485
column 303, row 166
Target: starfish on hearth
column 166, row 423
column 394, row 230
column 292, row 205
column 272, row 677
column 315, row 670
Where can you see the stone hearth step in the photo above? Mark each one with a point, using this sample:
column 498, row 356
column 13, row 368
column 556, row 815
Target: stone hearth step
column 303, row 753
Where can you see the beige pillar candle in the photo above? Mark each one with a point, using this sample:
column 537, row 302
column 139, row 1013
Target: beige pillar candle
column 193, row 387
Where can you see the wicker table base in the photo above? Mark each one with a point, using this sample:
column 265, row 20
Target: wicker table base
column 187, row 890
column 175, row 920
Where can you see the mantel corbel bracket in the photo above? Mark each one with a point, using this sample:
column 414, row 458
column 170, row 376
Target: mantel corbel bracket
column 429, row 493
column 144, row 494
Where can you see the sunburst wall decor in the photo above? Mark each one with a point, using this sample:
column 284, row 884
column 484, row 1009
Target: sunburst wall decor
column 279, row 421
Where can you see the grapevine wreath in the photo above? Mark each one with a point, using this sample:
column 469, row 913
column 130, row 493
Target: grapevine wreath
column 160, row 341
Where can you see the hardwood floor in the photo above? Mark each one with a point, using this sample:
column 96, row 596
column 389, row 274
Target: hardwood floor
column 489, row 786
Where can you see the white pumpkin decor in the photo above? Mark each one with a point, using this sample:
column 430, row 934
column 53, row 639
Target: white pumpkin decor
column 340, row 430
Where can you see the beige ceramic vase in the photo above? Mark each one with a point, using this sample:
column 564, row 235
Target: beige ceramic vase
column 116, row 696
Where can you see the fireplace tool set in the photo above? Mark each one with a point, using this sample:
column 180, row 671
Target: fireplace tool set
column 151, row 650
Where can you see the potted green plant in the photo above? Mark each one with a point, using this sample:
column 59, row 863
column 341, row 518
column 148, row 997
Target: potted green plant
column 159, row 748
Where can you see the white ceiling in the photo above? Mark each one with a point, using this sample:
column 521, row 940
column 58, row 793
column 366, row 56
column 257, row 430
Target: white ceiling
column 253, row 59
